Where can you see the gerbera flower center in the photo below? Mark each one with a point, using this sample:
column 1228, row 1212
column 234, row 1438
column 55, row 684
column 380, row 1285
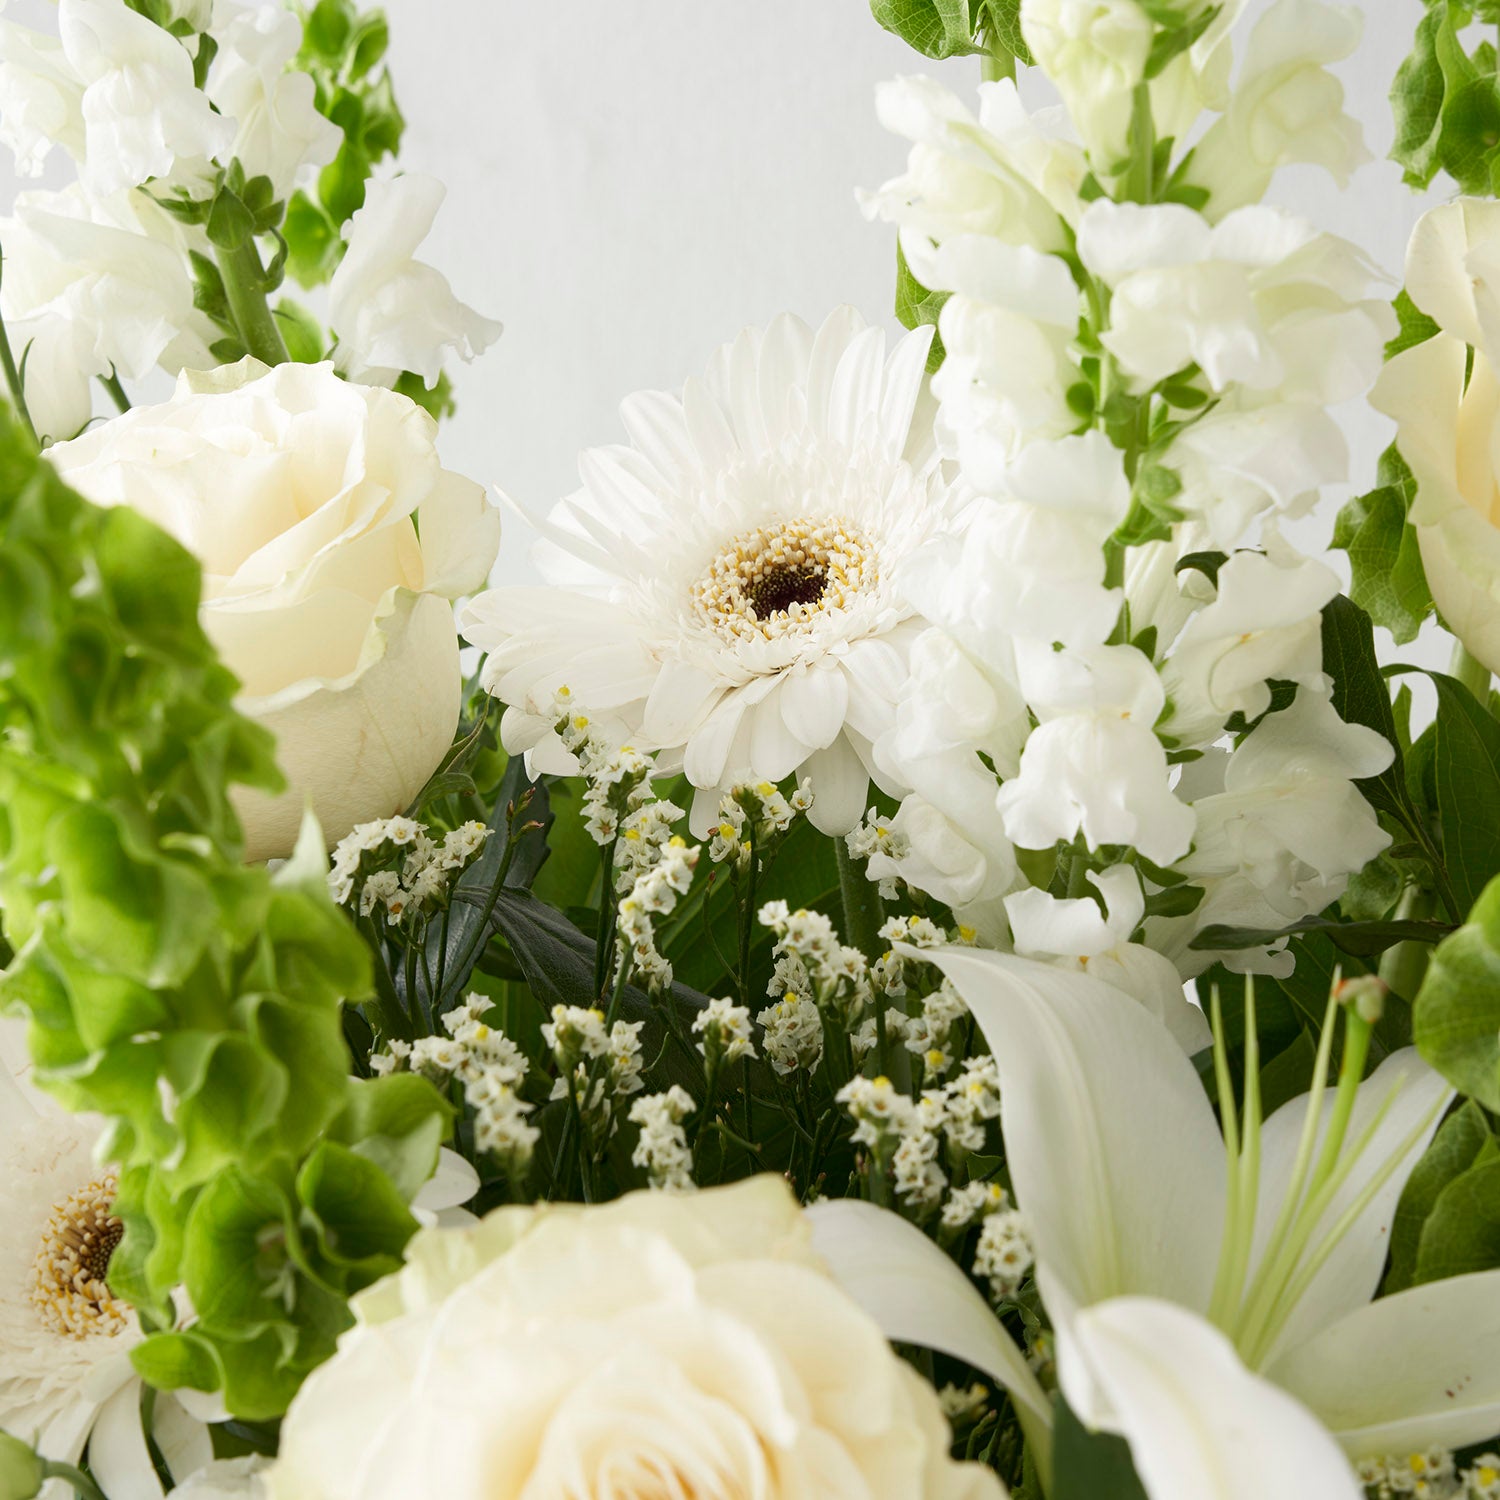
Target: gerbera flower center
column 776, row 578
column 70, row 1276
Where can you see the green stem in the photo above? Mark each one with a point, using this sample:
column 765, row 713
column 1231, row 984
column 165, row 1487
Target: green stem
column 997, row 61
column 111, row 383
column 862, row 910
column 1404, row 966
column 1141, row 181
column 12, row 375
column 1471, row 672
column 80, row 1481
column 245, row 287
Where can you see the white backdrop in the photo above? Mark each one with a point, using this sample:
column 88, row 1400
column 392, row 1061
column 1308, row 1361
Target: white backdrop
column 632, row 181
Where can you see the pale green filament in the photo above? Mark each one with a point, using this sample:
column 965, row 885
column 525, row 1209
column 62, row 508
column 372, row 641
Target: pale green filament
column 1254, row 1315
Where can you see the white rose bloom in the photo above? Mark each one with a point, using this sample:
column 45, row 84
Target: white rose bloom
column 725, row 591
column 41, row 98
column 280, row 131
column 389, row 311
column 1095, row 52
column 1449, row 429
column 998, row 175
column 661, row 1344
column 142, row 113
column 332, row 540
column 1286, row 107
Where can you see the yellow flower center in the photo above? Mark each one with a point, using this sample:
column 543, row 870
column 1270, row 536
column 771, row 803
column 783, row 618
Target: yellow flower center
column 70, row 1285
column 776, row 578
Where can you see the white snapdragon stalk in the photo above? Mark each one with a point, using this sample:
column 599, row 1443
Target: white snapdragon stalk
column 142, row 112
column 1285, row 107
column 94, row 287
column 1095, row 52
column 1275, row 1232
column 279, row 131
column 43, row 98
column 389, row 311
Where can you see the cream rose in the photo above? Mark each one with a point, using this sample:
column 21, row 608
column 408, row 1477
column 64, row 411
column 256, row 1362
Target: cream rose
column 332, row 542
column 1449, row 433
column 662, row 1345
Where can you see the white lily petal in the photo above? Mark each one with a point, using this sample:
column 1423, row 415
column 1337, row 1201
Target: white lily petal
column 1417, row 1370
column 1199, row 1424
column 1347, row 1280
column 1088, row 1078
column 918, row 1296
column 183, row 1440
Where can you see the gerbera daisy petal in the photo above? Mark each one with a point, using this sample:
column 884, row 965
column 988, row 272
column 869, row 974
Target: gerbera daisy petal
column 724, row 590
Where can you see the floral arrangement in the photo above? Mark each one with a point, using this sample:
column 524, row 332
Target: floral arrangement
column 931, row 954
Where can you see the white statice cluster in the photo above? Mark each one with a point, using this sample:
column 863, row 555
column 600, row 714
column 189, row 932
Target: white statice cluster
column 1004, row 1254
column 395, row 867
column 1430, row 1474
column 662, row 1150
column 1117, row 731
column 916, row 1141
column 489, row 1066
column 597, row 1064
column 751, row 817
column 655, row 893
column 99, row 280
column 725, row 1029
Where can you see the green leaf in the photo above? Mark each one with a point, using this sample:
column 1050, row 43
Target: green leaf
column 328, row 26
column 1005, row 27
column 1462, row 1234
column 230, row 221
column 301, row 332
column 1415, row 326
column 936, row 28
column 1361, row 697
column 1089, row 1465
column 1363, row 939
column 1452, row 1152
column 1456, row 1019
column 917, row 307
column 1385, row 560
column 1466, row 771
column 314, row 247
column 436, row 400
column 1171, row 43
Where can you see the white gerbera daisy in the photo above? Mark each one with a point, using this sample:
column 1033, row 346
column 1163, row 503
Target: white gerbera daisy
column 66, row 1381
column 723, row 591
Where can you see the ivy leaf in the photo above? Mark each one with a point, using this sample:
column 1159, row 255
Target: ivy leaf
column 1456, row 1019
column 1462, row 1234
column 1385, row 559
